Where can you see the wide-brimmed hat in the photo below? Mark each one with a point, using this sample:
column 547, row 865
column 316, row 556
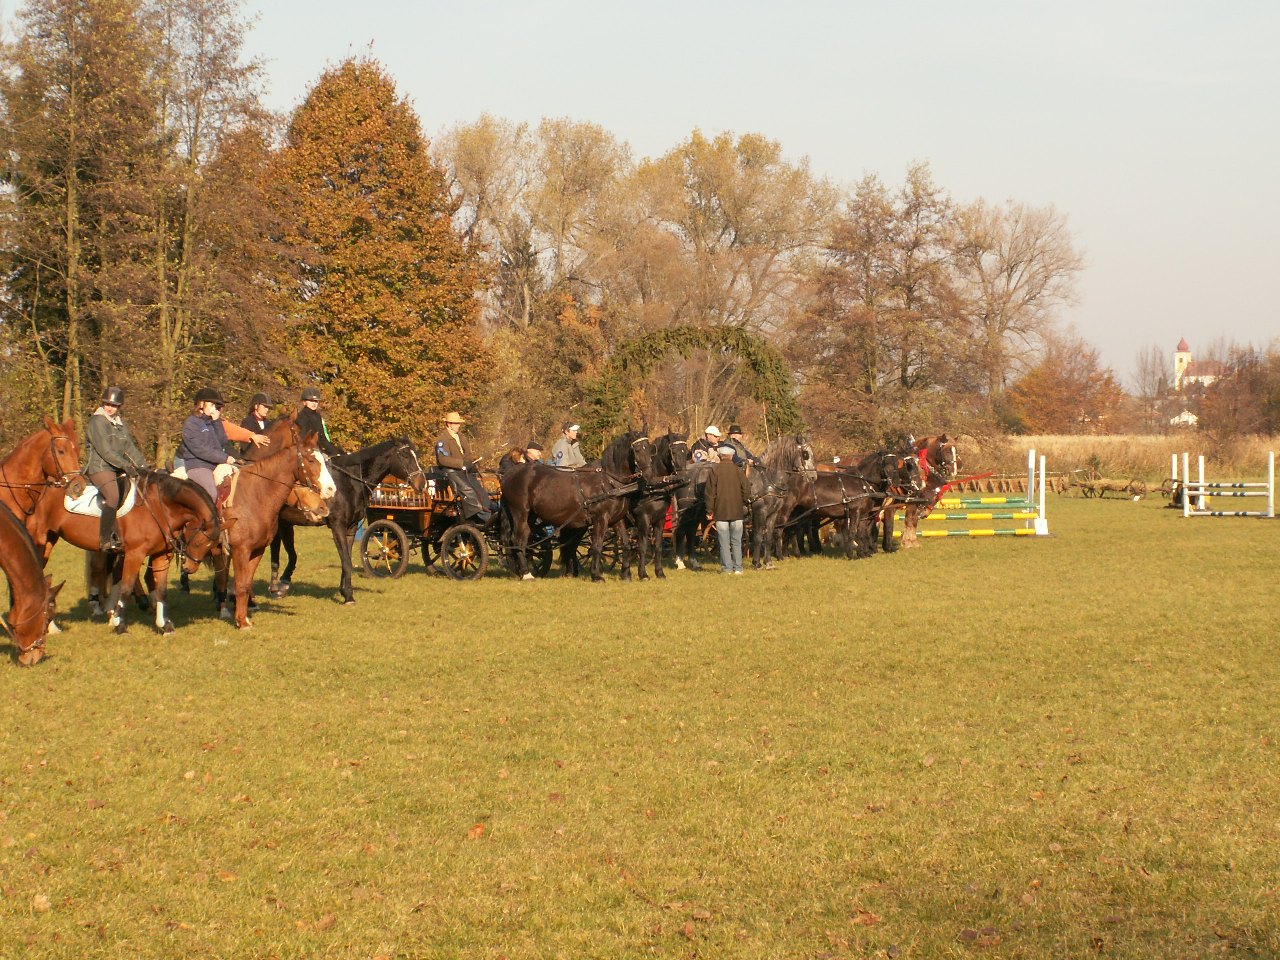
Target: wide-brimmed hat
column 453, row 416
column 713, row 429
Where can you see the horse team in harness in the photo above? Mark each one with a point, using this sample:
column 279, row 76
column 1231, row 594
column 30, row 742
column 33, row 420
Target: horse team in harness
column 630, row 497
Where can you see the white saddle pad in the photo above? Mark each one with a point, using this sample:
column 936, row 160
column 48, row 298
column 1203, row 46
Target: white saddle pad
column 89, row 503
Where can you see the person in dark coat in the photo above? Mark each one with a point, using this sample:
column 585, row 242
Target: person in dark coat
column 453, row 456
column 112, row 458
column 741, row 455
column 258, row 417
column 727, row 497
column 310, row 421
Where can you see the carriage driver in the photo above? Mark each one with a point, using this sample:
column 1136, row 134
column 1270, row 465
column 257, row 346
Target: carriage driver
column 454, row 457
column 703, row 450
column 112, row 456
column 566, row 452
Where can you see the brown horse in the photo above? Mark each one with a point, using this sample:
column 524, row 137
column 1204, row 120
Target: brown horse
column 31, row 610
column 170, row 515
column 253, row 511
column 939, row 464
column 47, row 458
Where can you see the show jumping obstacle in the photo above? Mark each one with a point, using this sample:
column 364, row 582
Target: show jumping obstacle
column 1027, row 511
column 1197, row 493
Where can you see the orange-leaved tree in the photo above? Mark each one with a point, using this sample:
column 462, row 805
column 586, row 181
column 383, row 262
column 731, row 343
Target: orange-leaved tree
column 383, row 316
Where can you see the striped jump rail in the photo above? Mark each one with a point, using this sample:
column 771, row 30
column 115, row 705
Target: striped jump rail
column 1029, row 509
column 1197, row 493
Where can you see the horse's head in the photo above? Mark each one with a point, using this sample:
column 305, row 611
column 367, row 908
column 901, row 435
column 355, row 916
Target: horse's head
column 62, row 457
column 406, row 466
column 949, row 460
column 313, row 470
column 806, row 462
column 905, row 471
column 309, row 503
column 677, row 451
column 642, row 457
column 29, row 636
column 193, row 517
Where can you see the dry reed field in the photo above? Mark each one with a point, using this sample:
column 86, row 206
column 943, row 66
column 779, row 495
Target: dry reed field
column 1045, row 747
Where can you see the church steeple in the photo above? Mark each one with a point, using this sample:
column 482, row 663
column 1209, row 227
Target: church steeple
column 1181, row 360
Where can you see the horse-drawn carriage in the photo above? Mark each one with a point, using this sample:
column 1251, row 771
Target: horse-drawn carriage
column 402, row 520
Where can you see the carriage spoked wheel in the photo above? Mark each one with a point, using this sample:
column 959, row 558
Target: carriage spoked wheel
column 610, row 552
column 463, row 553
column 384, row 549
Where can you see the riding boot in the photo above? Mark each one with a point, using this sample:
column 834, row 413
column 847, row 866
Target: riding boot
column 108, row 535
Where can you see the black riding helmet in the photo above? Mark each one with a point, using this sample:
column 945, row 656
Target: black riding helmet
column 310, row 393
column 261, row 398
column 112, row 395
column 208, row 394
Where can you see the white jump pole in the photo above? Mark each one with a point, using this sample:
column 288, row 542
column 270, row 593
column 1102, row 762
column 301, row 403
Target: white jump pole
column 1173, row 468
column 1042, row 523
column 1203, row 502
column 1186, row 475
column 1271, row 484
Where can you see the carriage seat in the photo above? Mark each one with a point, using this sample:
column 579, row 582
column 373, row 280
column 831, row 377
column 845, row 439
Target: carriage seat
column 89, row 502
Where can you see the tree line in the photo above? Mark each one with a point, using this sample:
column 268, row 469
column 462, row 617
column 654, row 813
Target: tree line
column 164, row 231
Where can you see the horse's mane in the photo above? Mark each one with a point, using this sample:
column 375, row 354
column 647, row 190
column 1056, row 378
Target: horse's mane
column 365, row 454
column 617, row 458
column 782, row 453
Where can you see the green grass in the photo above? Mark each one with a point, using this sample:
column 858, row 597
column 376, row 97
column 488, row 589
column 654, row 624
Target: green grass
column 1061, row 747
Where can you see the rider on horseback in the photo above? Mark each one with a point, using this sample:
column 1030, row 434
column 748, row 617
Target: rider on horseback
column 112, row 457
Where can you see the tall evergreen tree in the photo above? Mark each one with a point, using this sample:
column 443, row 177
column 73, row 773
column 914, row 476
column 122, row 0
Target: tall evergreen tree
column 384, row 314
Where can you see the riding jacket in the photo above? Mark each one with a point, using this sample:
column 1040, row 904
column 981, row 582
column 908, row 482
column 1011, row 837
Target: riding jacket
column 204, row 442
column 741, row 455
column 110, row 445
column 253, row 425
column 310, row 421
column 567, row 453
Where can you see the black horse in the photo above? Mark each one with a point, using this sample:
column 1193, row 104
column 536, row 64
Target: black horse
column 355, row 474
column 895, row 477
column 854, row 501
column 595, row 497
column 649, row 514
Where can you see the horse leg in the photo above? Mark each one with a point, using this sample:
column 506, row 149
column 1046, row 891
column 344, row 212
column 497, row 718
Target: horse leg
column 597, row 550
column 93, row 581
column 244, row 585
column 159, row 576
column 276, row 542
column 657, row 546
column 128, row 577
column 888, row 519
column 624, row 542
column 220, row 586
column 520, row 531
column 343, row 538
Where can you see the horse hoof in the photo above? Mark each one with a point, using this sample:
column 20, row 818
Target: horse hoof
column 53, row 627
column 527, row 576
column 679, row 564
column 350, row 602
column 121, row 629
column 247, row 625
column 225, row 614
column 168, row 627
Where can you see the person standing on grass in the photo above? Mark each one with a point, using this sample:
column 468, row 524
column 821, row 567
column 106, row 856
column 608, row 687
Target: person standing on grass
column 726, row 498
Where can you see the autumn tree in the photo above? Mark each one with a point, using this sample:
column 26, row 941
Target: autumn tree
column 78, row 110
column 1014, row 266
column 1067, row 391
column 383, row 316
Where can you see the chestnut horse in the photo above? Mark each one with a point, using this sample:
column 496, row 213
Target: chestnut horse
column 939, row 465
column 170, row 516
column 47, row 458
column 31, row 610
column 252, row 511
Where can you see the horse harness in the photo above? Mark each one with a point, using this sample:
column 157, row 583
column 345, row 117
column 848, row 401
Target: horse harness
column 49, row 481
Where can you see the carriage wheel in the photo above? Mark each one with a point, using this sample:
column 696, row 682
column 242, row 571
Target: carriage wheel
column 463, row 552
column 384, row 549
column 610, row 552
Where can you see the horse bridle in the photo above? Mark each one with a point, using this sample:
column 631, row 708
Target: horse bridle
column 49, row 480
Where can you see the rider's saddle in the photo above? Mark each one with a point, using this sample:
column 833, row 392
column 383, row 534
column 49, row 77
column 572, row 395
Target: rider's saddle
column 89, row 501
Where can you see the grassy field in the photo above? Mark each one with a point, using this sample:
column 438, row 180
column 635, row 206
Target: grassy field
column 1062, row 747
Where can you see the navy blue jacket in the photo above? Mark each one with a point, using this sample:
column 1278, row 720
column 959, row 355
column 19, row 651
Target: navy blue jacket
column 204, row 442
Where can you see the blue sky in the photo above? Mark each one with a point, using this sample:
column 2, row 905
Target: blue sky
column 1155, row 127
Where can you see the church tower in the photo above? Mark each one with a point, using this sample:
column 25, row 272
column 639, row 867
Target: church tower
column 1181, row 360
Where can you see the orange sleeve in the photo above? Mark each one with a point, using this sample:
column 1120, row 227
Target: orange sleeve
column 236, row 432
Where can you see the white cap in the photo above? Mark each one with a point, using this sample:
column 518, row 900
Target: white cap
column 713, row 429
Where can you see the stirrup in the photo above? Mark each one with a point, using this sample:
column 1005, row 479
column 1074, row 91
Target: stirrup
column 111, row 545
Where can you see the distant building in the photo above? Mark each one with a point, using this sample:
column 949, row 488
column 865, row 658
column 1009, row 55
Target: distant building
column 1189, row 372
